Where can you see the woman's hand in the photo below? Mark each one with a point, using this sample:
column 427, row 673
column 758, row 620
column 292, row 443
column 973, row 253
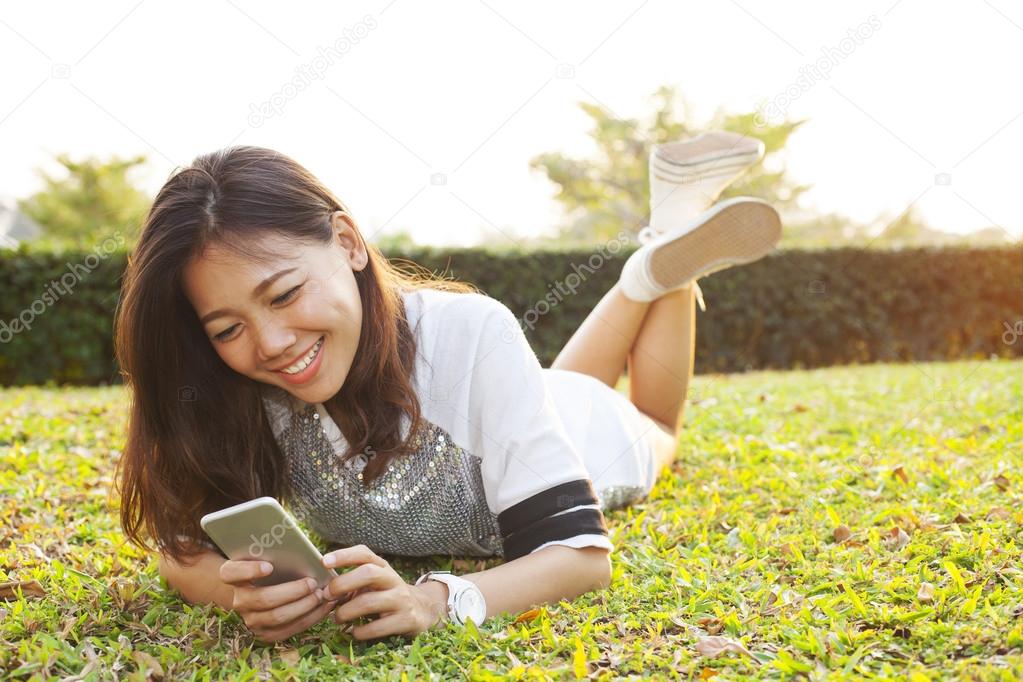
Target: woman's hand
column 274, row 612
column 404, row 609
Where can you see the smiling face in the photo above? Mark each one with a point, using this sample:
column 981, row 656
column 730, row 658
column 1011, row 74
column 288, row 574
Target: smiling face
column 293, row 322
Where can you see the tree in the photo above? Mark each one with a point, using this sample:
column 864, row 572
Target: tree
column 813, row 230
column 908, row 229
column 605, row 194
column 95, row 201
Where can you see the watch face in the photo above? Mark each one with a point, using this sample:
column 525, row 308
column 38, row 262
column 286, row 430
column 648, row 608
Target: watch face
column 470, row 604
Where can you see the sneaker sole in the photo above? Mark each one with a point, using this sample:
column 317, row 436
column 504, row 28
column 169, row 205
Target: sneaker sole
column 738, row 233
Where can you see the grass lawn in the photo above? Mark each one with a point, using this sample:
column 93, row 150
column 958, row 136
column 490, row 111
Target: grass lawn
column 842, row 523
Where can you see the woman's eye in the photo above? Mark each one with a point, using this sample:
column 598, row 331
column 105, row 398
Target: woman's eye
column 283, row 298
column 222, row 336
column 287, row 296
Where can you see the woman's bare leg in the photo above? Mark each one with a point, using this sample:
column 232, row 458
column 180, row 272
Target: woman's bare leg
column 656, row 341
column 600, row 346
column 661, row 362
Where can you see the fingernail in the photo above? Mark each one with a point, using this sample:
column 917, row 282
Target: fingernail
column 328, row 560
column 311, row 583
column 265, row 567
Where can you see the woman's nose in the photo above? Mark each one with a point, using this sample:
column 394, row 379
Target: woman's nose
column 274, row 342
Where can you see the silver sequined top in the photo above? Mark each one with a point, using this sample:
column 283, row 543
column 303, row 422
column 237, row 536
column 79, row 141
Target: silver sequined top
column 429, row 502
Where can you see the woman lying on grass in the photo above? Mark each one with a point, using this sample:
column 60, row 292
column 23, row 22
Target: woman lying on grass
column 271, row 351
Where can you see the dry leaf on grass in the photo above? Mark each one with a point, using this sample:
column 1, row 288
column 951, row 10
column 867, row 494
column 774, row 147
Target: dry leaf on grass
column 531, row 614
column 149, row 667
column 1000, row 513
column 842, row 533
column 925, row 593
column 900, row 473
column 69, row 624
column 29, row 588
column 712, row 647
column 896, row 538
column 711, row 625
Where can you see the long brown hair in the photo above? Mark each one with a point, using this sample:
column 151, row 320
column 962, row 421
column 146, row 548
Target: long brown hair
column 198, row 438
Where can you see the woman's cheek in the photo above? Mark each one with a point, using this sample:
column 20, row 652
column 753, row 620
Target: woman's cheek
column 231, row 359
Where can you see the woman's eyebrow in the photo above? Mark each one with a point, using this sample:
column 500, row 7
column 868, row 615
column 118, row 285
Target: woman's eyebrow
column 260, row 288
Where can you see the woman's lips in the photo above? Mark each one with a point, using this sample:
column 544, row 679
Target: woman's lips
column 310, row 370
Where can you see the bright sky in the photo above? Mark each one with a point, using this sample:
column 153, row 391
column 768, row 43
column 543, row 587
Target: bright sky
column 921, row 103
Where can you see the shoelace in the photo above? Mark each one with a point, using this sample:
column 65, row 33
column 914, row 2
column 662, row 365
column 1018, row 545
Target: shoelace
column 645, row 235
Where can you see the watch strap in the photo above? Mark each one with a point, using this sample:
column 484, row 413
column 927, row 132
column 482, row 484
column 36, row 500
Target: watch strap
column 454, row 584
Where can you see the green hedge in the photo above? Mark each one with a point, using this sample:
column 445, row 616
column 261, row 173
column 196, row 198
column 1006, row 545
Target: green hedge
column 791, row 309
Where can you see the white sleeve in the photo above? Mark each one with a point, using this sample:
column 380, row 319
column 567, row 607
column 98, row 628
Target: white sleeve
column 535, row 479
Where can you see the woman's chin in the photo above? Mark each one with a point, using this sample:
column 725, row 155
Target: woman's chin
column 318, row 391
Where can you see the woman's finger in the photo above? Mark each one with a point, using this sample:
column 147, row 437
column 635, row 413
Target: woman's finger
column 351, row 556
column 368, row 603
column 300, row 625
column 241, row 572
column 271, row 596
column 394, row 624
column 282, row 615
column 365, row 576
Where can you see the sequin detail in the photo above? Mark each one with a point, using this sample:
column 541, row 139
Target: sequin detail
column 615, row 496
column 431, row 501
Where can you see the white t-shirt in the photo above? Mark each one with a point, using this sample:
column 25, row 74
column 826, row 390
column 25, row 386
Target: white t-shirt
column 511, row 480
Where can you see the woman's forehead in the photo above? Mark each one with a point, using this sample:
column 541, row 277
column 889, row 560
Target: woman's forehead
column 224, row 270
column 258, row 249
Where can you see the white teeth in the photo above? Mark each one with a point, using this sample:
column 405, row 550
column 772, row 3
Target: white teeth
column 304, row 362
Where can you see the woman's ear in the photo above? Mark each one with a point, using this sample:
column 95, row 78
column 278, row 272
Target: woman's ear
column 350, row 239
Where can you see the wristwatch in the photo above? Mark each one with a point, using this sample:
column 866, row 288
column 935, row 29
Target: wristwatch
column 464, row 599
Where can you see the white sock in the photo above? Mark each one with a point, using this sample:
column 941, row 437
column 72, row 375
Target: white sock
column 676, row 198
column 687, row 176
column 672, row 204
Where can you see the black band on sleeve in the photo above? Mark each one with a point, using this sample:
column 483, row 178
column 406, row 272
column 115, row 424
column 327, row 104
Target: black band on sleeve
column 545, row 503
column 560, row 527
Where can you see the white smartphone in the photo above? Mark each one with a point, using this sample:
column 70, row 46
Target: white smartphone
column 261, row 529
